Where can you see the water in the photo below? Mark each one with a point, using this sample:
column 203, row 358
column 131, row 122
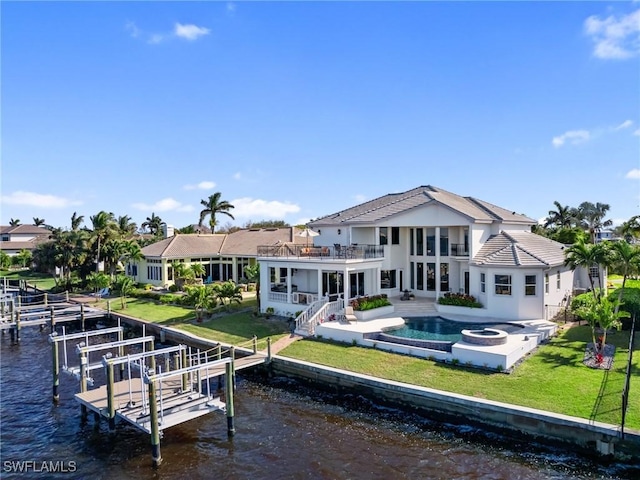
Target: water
column 438, row 328
column 283, row 431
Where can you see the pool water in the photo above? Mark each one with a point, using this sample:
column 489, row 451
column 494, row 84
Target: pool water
column 438, row 328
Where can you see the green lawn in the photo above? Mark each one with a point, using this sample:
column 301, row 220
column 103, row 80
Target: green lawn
column 42, row 281
column 553, row 378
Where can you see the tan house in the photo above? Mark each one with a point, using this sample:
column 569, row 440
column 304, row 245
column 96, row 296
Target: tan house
column 22, row 237
column 223, row 256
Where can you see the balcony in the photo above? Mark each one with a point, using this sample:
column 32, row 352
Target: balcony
column 459, row 250
column 336, row 252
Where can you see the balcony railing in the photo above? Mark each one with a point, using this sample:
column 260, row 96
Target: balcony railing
column 459, row 250
column 343, row 252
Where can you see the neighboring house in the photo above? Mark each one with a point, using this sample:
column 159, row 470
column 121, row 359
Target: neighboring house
column 224, row 256
column 602, row 235
column 27, row 237
column 426, row 240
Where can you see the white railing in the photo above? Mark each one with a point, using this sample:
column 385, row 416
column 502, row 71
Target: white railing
column 281, row 297
column 317, row 312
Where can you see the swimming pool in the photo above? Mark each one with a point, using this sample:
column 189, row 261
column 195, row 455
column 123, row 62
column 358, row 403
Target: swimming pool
column 441, row 329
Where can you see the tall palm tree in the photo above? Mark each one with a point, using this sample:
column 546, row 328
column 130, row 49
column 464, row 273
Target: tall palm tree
column 38, row 221
column 630, row 229
column 126, row 228
column 153, row 223
column 213, row 206
column 627, row 258
column 561, row 217
column 103, row 226
column 592, row 217
column 76, row 221
column 132, row 254
column 14, row 222
column 587, row 256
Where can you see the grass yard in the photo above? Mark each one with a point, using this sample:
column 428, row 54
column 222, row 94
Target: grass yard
column 553, row 378
column 42, row 281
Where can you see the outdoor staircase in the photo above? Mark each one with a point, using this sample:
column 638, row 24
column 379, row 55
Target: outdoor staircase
column 411, row 308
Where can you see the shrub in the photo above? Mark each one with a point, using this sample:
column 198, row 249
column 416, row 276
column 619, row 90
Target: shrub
column 369, row 303
column 630, row 303
column 173, row 288
column 459, row 300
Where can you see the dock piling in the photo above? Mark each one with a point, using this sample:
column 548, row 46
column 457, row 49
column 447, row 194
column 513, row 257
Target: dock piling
column 155, row 430
column 111, row 407
column 82, row 315
column 230, row 374
column 184, row 375
column 18, row 327
column 83, row 384
column 268, row 349
column 56, row 370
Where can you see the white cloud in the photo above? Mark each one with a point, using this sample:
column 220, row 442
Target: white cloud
column 573, row 136
column 633, row 174
column 38, row 200
column 249, row 207
column 133, row 29
column 190, row 32
column 164, row 205
column 237, row 176
column 201, row 186
column 615, row 37
column 623, row 125
column 359, row 198
column 637, row 133
column 231, row 8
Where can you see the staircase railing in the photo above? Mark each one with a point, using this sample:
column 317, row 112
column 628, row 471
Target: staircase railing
column 316, row 313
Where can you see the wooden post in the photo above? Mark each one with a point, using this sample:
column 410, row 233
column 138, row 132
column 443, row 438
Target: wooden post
column 53, row 319
column 82, row 315
column 167, row 364
column 185, row 378
column 255, row 344
column 232, row 354
column 66, row 296
column 111, row 404
column 83, row 383
column 152, row 358
column 121, row 353
column 268, row 349
column 219, row 356
column 18, row 328
column 46, row 299
column 231, row 429
column 109, row 308
column 155, row 430
column 56, row 370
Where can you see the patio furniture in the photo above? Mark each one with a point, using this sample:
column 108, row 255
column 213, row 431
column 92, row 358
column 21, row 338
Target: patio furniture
column 349, row 316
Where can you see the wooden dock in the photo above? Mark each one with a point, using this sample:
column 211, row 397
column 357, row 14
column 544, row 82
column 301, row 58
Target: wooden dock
column 174, row 405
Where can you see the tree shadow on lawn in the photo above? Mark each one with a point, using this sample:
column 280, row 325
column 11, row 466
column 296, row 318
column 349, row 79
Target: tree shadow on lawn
column 243, row 326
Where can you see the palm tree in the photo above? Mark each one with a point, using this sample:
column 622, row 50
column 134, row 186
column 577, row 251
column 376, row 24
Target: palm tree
column 112, row 252
column 76, row 221
column 153, row 223
column 213, row 206
column 252, row 272
column 228, row 291
column 98, row 281
column 126, row 228
column 124, row 285
column 5, row 260
column 626, row 258
column 14, row 222
column 202, row 298
column 132, row 254
column 198, row 270
column 630, row 229
column 24, row 257
column 561, row 217
column 103, row 225
column 587, row 256
column 38, row 221
column 592, row 217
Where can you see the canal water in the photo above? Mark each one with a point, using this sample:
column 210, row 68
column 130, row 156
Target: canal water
column 283, row 431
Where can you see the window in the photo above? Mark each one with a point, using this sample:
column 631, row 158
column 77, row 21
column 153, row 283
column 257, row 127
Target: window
column 431, row 242
column 444, row 241
column 383, row 236
column 558, row 283
column 483, row 283
column 594, row 272
column 388, row 279
column 444, row 277
column 503, row 284
column 431, row 277
column 411, row 242
column 530, row 284
column 395, row 235
column 411, row 276
column 546, row 283
column 420, row 276
column 419, row 241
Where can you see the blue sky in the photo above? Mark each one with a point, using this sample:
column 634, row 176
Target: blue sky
column 295, row 110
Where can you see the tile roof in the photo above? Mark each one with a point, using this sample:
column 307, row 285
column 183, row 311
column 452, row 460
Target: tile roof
column 242, row 242
column 395, row 203
column 19, row 245
column 509, row 249
column 24, row 230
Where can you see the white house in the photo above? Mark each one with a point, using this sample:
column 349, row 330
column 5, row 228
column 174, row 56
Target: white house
column 13, row 239
column 426, row 240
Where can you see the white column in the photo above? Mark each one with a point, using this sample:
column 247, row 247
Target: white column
column 320, row 292
column 437, row 262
